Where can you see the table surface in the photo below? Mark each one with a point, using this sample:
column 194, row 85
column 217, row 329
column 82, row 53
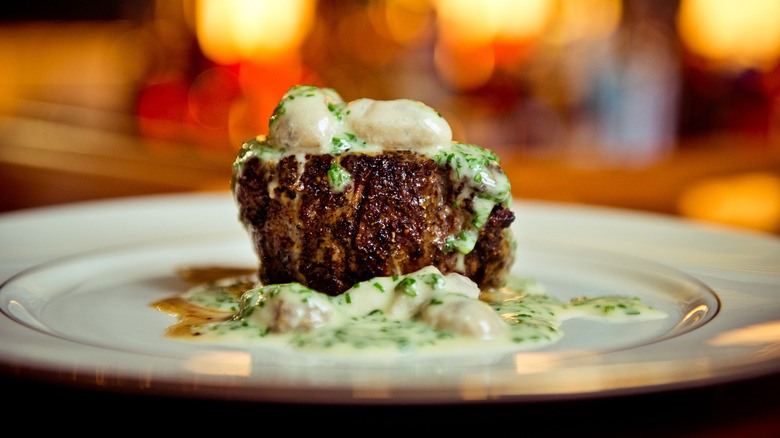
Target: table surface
column 39, row 173
column 743, row 409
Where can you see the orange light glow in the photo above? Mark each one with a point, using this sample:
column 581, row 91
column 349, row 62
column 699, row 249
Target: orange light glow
column 477, row 37
column 406, row 20
column 584, row 19
column 749, row 200
column 464, row 67
column 470, row 22
column 232, row 30
column 741, row 33
column 212, row 95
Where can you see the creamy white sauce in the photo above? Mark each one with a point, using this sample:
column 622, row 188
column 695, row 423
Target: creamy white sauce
column 317, row 121
column 424, row 312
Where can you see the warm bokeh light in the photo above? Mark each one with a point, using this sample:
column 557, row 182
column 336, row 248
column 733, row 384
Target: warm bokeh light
column 607, row 89
column 741, row 33
column 85, row 66
column 584, row 20
column 475, row 37
column 212, row 95
column 252, row 54
column 748, row 200
column 262, row 86
column 478, row 23
column 232, row 30
column 406, row 20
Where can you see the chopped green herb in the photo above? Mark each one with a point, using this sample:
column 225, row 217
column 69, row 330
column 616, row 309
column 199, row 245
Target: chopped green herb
column 407, row 286
column 435, row 281
column 338, row 176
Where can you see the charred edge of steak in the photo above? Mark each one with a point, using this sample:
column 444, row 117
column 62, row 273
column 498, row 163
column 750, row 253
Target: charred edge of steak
column 489, row 262
column 393, row 219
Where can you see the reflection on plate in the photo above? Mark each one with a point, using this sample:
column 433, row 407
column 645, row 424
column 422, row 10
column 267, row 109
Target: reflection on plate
column 92, row 312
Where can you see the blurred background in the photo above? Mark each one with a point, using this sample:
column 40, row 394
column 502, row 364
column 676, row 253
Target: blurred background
column 668, row 106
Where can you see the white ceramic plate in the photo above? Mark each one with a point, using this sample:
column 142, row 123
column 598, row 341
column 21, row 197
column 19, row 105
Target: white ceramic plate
column 80, row 279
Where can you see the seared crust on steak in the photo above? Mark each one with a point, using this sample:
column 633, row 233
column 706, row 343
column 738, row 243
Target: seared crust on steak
column 393, row 218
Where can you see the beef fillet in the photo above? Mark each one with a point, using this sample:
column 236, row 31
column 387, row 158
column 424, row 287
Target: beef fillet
column 397, row 213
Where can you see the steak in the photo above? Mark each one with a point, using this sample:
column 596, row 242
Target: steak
column 397, row 212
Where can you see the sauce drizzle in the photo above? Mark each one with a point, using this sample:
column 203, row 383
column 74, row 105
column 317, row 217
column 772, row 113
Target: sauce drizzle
column 418, row 313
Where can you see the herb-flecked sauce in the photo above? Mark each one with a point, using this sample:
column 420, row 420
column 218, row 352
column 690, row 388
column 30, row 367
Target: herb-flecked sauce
column 424, row 312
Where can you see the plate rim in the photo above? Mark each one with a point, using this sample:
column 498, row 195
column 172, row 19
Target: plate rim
column 222, row 388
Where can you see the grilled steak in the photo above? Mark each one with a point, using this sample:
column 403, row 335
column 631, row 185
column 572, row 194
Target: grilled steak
column 331, row 220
